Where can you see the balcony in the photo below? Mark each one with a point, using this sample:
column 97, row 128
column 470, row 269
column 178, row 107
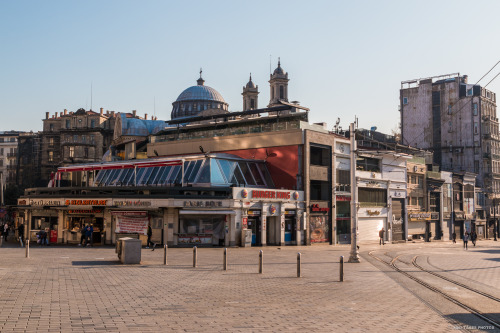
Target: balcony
column 11, row 154
column 343, row 188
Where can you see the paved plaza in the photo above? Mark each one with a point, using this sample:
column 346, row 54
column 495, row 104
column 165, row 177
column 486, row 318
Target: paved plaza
column 62, row 288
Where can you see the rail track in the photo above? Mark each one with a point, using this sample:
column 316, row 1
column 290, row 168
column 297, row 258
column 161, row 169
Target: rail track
column 473, row 310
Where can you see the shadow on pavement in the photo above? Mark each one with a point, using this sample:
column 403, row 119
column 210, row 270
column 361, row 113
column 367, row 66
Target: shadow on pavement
column 488, row 251
column 95, row 263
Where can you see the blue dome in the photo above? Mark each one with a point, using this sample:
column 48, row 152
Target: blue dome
column 200, row 92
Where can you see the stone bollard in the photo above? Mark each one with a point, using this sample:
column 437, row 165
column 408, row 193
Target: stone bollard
column 165, row 247
column 195, row 256
column 224, row 263
column 341, row 271
column 261, row 261
column 27, row 248
column 298, row 264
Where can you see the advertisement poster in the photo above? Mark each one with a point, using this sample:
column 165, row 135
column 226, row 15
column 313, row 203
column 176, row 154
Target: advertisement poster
column 132, row 224
column 318, row 226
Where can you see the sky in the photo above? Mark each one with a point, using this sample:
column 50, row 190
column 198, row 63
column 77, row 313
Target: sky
column 343, row 58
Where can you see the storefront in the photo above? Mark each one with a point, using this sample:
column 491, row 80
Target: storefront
column 370, row 222
column 319, row 224
column 459, row 224
column 420, row 225
column 343, row 216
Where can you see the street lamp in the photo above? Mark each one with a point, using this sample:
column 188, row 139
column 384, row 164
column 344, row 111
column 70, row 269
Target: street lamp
column 354, row 255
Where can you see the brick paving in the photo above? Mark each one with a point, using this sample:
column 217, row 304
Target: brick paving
column 75, row 289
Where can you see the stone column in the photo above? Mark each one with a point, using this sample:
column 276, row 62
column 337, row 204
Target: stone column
column 172, row 221
column 61, row 226
column 107, row 224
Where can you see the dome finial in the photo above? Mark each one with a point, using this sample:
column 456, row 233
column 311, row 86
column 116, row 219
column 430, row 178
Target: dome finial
column 250, row 76
column 200, row 80
column 279, row 62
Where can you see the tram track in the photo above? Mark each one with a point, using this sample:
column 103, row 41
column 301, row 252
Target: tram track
column 469, row 308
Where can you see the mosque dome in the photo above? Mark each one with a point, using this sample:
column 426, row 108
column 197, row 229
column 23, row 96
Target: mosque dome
column 250, row 83
column 279, row 70
column 196, row 99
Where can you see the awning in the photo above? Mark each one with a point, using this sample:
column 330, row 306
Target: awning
column 207, row 212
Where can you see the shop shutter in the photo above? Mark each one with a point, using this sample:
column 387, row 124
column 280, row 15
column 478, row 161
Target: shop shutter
column 368, row 228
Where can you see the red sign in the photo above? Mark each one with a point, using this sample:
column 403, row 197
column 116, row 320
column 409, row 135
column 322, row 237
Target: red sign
column 343, row 198
column 53, row 236
column 244, row 222
column 256, row 194
column 85, row 202
column 317, row 208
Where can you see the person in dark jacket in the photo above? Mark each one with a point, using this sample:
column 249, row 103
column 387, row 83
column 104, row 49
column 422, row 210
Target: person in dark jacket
column 466, row 240
column 454, row 237
column 88, row 235
column 381, row 236
column 473, row 237
column 20, row 232
column 150, row 233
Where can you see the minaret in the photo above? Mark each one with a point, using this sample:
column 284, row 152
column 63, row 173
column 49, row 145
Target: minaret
column 250, row 96
column 279, row 86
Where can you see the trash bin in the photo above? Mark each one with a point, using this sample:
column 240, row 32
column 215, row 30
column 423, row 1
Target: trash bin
column 129, row 250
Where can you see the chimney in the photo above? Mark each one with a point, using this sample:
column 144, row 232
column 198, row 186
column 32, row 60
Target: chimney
column 46, row 115
column 102, row 110
column 65, row 112
column 112, row 113
column 134, row 113
column 56, row 113
column 146, row 116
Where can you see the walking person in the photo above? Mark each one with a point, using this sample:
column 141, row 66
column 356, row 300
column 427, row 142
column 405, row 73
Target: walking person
column 454, row 237
column 473, row 237
column 82, row 236
column 466, row 239
column 5, row 231
column 381, row 236
column 20, row 233
column 88, row 235
column 150, row 233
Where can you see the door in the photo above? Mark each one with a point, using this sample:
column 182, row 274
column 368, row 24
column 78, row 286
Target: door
column 368, row 229
column 255, row 225
column 290, row 232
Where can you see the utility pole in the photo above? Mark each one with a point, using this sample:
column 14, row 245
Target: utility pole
column 1, row 189
column 354, row 255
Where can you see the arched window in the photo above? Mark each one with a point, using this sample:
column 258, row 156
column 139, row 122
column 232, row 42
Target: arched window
column 252, row 104
column 282, row 92
column 272, row 92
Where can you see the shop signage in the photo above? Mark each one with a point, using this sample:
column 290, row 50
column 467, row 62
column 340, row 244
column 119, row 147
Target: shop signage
column 343, row 198
column 317, row 208
column 84, row 211
column 272, row 209
column 289, row 212
column 372, row 212
column 134, row 203
column 296, row 195
column 459, row 215
column 22, row 202
column 254, row 212
column 435, row 216
column 372, row 183
column 202, row 203
column 85, row 202
column 244, row 193
column 257, row 194
column 419, row 216
column 244, row 222
column 45, row 202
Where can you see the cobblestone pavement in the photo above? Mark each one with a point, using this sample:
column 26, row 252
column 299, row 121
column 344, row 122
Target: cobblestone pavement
column 63, row 288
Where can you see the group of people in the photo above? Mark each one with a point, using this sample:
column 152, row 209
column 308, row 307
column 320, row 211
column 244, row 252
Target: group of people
column 472, row 236
column 87, row 237
column 5, row 229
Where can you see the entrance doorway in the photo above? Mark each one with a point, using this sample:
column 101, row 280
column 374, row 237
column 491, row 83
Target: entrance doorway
column 255, row 225
column 290, row 231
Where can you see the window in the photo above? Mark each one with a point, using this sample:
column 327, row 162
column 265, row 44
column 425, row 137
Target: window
column 1, row 151
column 92, row 123
column 71, row 151
column 476, row 128
column 68, row 123
column 51, row 156
column 449, row 109
column 252, row 104
column 319, row 190
column 475, row 109
column 92, row 138
column 469, row 92
column 476, row 166
column 368, row 164
column 371, row 197
column 86, row 152
column 405, row 100
column 319, row 156
column 75, row 138
column 51, row 142
column 282, row 92
column 51, row 127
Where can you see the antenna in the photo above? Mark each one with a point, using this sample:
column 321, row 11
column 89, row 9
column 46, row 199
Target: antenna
column 154, row 106
column 90, row 95
column 269, row 64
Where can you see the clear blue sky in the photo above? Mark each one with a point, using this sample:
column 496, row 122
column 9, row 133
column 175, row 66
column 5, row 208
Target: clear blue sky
column 344, row 58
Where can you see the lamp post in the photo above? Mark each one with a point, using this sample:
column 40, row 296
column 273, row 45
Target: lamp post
column 495, row 219
column 354, row 255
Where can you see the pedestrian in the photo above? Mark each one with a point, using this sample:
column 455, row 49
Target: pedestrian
column 91, row 238
column 20, row 233
column 454, row 237
column 82, row 236
column 466, row 239
column 88, row 235
column 381, row 236
column 150, row 233
column 42, row 237
column 473, row 237
column 5, row 231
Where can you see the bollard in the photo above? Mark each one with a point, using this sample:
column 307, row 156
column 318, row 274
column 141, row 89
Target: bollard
column 27, row 248
column 165, row 247
column 341, row 271
column 261, row 261
column 298, row 264
column 195, row 256
column 224, row 263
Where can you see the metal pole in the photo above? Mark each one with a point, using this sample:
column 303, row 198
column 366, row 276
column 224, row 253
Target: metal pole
column 27, row 248
column 165, row 247
column 298, row 264
column 195, row 256
column 354, row 255
column 224, row 262
column 495, row 219
column 341, row 271
column 261, row 261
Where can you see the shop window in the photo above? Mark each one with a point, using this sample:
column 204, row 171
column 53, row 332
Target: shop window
column 371, row 197
column 319, row 190
column 319, row 156
column 368, row 164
